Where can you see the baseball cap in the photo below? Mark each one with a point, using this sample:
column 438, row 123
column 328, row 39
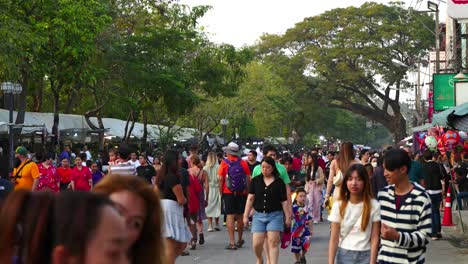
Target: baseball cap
column 22, row 151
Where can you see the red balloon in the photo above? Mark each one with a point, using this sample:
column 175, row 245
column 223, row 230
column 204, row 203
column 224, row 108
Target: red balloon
column 451, row 137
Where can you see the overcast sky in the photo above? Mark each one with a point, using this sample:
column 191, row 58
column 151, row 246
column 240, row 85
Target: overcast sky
column 241, row 22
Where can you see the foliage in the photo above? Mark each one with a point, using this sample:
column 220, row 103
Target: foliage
column 350, row 51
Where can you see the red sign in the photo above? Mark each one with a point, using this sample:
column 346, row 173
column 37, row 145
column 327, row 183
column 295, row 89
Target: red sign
column 460, row 2
column 430, row 109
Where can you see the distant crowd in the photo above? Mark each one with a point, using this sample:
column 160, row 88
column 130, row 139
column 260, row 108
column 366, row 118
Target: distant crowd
column 383, row 207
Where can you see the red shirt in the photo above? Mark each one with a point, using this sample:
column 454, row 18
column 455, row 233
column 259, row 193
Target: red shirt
column 223, row 169
column 65, row 174
column 297, row 164
column 81, row 178
column 194, row 193
column 49, row 178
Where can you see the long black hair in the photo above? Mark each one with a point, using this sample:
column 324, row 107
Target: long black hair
column 310, row 175
column 170, row 166
column 272, row 163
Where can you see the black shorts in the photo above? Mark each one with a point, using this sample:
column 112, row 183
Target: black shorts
column 234, row 204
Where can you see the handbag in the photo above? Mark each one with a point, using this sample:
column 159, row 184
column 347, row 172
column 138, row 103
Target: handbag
column 338, row 179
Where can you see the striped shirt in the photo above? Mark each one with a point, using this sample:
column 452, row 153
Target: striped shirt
column 412, row 221
column 123, row 169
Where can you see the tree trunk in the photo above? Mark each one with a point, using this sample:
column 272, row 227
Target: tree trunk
column 38, row 95
column 21, row 110
column 145, row 131
column 55, row 127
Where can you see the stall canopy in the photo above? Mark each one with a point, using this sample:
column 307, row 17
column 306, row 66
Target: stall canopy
column 114, row 127
column 455, row 117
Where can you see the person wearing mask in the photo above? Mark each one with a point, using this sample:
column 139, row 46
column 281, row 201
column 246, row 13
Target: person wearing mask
column 49, row 179
column 234, row 176
column 268, row 198
column 134, row 159
column 140, row 205
column 64, row 172
column 81, row 178
column 320, row 160
column 25, row 173
column 355, row 221
column 403, row 241
column 145, row 170
column 252, row 160
column 168, row 182
column 378, row 180
column 433, row 179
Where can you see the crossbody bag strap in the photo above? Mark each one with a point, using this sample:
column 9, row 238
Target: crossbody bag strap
column 21, row 169
column 349, row 230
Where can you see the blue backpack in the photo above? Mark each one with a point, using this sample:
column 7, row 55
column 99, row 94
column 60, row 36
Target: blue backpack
column 236, row 179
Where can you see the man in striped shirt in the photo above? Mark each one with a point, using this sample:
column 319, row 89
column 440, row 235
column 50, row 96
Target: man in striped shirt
column 405, row 212
column 122, row 166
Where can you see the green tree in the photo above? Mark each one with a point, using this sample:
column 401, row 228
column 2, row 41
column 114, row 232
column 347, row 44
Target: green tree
column 350, row 51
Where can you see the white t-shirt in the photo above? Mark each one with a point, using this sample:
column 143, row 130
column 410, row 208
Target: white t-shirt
column 356, row 239
column 135, row 163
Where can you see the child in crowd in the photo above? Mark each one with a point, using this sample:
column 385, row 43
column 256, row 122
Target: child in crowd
column 302, row 227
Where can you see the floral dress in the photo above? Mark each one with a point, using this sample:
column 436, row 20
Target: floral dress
column 49, row 179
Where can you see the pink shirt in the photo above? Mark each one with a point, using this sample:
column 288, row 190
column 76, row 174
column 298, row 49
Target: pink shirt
column 81, row 178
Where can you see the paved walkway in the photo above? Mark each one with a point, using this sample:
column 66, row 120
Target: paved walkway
column 213, row 251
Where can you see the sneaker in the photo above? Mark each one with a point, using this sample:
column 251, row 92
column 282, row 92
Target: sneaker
column 315, row 222
column 224, row 223
column 217, row 228
column 210, row 229
column 201, row 239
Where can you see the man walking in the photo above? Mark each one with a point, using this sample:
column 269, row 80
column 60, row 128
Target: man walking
column 405, row 211
column 26, row 174
column 231, row 170
column 252, row 160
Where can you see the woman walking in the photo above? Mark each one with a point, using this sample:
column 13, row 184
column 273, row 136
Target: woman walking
column 314, row 185
column 345, row 159
column 213, row 210
column 49, row 179
column 355, row 221
column 168, row 182
column 267, row 196
column 202, row 177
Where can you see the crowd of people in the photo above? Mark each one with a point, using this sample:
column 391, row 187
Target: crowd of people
column 383, row 207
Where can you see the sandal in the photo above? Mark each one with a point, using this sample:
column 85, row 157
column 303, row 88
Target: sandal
column 231, row 247
column 240, row 243
column 193, row 245
column 185, row 253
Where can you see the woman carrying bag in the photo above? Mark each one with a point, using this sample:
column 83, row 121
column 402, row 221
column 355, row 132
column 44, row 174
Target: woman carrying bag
column 355, row 221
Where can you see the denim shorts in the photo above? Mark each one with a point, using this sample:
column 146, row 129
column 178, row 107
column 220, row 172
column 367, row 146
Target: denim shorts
column 264, row 222
column 345, row 256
